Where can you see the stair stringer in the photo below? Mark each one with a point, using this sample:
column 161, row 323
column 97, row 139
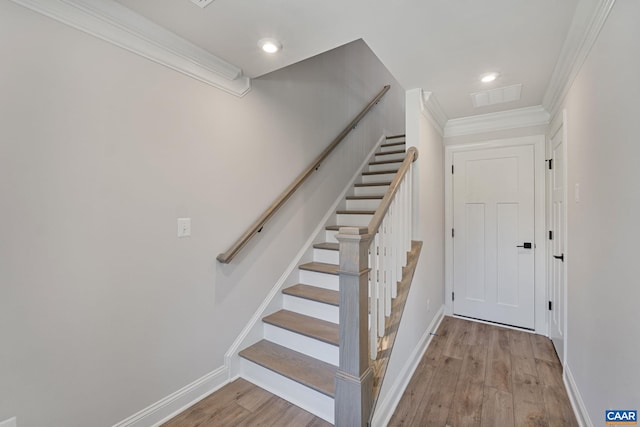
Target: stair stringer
column 253, row 331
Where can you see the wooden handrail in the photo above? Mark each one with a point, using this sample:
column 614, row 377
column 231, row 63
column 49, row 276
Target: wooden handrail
column 256, row 227
column 374, row 224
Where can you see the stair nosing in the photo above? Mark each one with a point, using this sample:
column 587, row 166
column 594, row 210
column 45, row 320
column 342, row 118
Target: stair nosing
column 380, row 172
column 373, row 184
column 396, row 136
column 287, row 291
column 391, row 144
column 355, row 212
column 297, row 326
column 327, row 246
column 385, row 162
column 333, row 268
column 365, row 197
column 388, row 153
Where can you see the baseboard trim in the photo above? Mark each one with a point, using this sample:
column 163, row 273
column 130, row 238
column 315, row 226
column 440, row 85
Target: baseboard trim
column 575, row 398
column 231, row 356
column 385, row 410
column 168, row 407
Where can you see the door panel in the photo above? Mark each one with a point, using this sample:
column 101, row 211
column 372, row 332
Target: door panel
column 493, row 197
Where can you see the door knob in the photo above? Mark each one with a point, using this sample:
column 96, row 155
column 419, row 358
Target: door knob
column 560, row 257
column 525, row 245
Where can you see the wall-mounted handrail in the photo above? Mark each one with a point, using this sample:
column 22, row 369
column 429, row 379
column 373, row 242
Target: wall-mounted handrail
column 256, row 227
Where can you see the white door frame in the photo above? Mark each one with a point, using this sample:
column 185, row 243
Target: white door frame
column 560, row 122
column 540, row 282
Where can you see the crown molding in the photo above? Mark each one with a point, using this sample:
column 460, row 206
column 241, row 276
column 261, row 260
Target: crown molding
column 502, row 120
column 574, row 53
column 431, row 109
column 119, row 25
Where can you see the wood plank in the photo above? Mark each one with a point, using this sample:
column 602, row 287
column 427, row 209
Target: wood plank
column 381, row 172
column 543, row 348
column 320, row 267
column 373, row 184
column 457, row 344
column 558, row 407
column 499, row 374
column 306, row 370
column 497, row 408
column 396, row 136
column 384, row 153
column 384, row 162
column 314, row 293
column 528, row 402
column 364, row 197
column 328, row 246
column 355, row 212
column 434, row 409
column 305, row 325
column 466, row 409
column 271, row 414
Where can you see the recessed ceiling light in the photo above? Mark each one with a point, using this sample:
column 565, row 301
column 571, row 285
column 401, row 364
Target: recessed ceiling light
column 488, row 78
column 270, row 45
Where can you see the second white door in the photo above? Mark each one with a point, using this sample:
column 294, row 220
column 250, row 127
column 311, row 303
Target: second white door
column 493, row 244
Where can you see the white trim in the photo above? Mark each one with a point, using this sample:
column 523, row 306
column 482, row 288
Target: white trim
column 11, row 422
column 538, row 141
column 579, row 408
column 232, row 360
column 574, row 53
column 502, row 120
column 168, row 407
column 431, row 109
column 119, row 25
column 387, row 407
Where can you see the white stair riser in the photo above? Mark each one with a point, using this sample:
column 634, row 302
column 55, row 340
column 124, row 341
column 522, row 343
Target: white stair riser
column 311, row 347
column 385, row 177
column 384, row 167
column 359, row 220
column 321, row 280
column 378, row 190
column 326, row 255
column 316, row 309
column 306, row 398
column 393, row 147
column 380, row 157
column 330, row 236
column 363, row 204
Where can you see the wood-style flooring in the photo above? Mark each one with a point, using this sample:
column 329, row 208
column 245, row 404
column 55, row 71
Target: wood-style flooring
column 242, row 404
column 472, row 374
column 480, row 375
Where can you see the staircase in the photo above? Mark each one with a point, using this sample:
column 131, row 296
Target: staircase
column 298, row 356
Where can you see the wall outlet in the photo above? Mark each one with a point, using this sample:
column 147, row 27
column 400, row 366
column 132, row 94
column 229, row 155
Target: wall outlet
column 184, row 229
column 11, row 422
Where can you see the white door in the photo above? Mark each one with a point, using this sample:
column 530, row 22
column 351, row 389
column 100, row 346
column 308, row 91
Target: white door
column 493, row 246
column 557, row 301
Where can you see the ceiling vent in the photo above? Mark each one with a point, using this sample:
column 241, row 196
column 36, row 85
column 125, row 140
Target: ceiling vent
column 496, row 96
column 202, row 3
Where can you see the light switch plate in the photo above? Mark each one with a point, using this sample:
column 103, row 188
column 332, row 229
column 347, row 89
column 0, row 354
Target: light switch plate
column 184, row 228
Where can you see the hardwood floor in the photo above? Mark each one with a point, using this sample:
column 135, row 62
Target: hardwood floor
column 480, row 375
column 472, row 374
column 242, row 404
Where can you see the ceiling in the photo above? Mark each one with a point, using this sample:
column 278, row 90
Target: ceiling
column 441, row 46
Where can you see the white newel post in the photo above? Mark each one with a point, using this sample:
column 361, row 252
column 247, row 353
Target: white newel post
column 354, row 379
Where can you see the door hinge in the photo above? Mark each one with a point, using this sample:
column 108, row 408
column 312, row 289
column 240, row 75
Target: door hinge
column 453, row 296
column 451, row 169
column 550, row 163
column 453, row 232
column 550, row 306
column 550, row 235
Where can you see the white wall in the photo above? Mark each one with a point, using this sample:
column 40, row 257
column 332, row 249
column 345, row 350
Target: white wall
column 603, row 232
column 428, row 281
column 103, row 311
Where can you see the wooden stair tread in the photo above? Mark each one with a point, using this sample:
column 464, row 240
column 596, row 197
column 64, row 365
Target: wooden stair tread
column 373, row 184
column 314, row 293
column 384, row 153
column 396, row 136
column 320, row 267
column 354, row 212
column 329, row 246
column 308, row 326
column 298, row 367
column 380, row 172
column 365, row 197
column 385, row 162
